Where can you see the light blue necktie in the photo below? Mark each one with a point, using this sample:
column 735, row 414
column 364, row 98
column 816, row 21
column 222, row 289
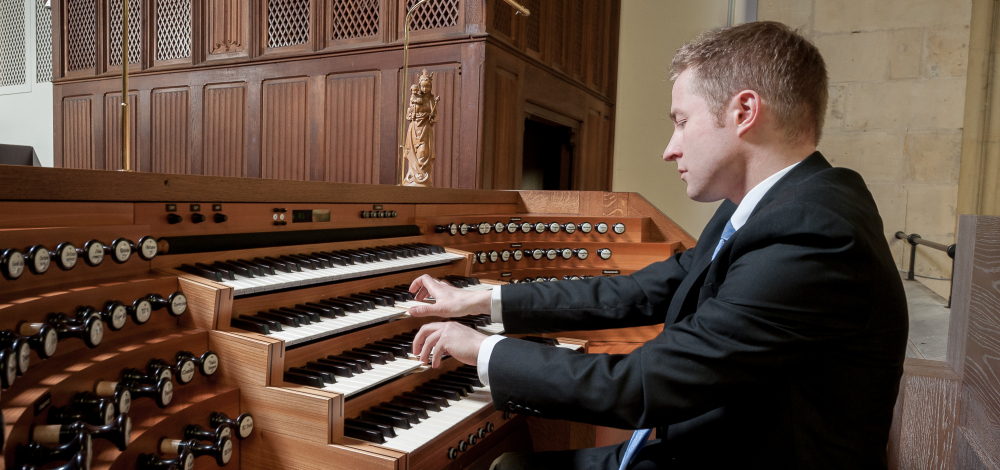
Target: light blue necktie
column 641, row 436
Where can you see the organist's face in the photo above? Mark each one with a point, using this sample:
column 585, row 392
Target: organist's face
column 705, row 153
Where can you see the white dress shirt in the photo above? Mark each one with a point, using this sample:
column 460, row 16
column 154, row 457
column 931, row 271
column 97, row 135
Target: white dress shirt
column 738, row 219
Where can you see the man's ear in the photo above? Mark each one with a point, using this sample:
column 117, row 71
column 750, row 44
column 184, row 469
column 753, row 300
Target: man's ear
column 745, row 110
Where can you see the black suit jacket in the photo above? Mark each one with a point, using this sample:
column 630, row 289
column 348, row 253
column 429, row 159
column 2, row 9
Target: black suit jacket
column 785, row 351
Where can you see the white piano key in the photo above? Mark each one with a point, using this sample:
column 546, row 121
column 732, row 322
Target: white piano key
column 439, row 422
column 367, row 379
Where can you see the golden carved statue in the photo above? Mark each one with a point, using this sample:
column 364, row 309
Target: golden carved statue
column 419, row 147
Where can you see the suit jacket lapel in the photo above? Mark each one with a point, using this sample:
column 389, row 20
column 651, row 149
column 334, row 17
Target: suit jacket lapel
column 691, row 285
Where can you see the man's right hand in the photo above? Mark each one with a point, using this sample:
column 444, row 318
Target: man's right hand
column 449, row 301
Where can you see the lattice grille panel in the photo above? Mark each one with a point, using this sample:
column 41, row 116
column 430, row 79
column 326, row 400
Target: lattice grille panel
column 287, row 22
column 534, row 24
column 502, row 13
column 12, row 66
column 134, row 32
column 353, row 18
column 433, row 14
column 43, row 42
column 81, row 18
column 173, row 29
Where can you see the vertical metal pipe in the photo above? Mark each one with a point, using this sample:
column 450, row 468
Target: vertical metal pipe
column 126, row 161
column 913, row 259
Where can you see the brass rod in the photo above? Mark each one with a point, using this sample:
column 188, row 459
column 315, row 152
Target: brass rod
column 402, row 93
column 126, row 161
column 520, row 8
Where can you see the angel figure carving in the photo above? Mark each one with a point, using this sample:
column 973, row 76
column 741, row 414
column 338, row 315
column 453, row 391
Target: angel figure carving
column 418, row 149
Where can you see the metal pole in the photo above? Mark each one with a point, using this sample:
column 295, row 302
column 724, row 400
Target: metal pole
column 126, row 161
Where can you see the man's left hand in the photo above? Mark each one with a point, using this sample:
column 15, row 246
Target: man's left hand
column 454, row 339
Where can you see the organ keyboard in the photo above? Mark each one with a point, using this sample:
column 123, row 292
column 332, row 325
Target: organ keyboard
column 300, row 308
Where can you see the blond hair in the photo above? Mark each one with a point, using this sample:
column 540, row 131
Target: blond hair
column 783, row 67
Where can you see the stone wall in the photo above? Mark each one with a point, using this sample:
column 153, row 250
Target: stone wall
column 897, row 97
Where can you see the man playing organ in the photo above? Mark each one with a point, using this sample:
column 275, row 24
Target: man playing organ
column 784, row 329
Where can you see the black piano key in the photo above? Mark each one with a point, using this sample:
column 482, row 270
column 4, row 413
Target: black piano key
column 367, row 303
column 331, row 311
column 226, row 274
column 439, row 393
column 541, row 340
column 420, row 412
column 417, row 403
column 364, row 363
column 264, row 268
column 395, row 349
column 341, row 305
column 442, row 402
column 255, row 270
column 379, row 300
column 385, row 354
column 198, row 271
column 408, row 345
column 273, row 325
column 461, row 390
column 301, row 317
column 301, row 263
column 349, row 301
column 309, row 315
column 233, row 269
column 473, row 378
column 368, row 435
column 283, row 319
column 302, row 379
column 317, row 309
column 446, row 381
column 249, row 326
column 409, row 415
column 326, row 376
column 351, row 258
column 352, row 367
column 288, row 265
column 323, row 262
column 383, row 418
column 370, row 357
column 468, row 369
column 386, row 431
column 365, row 257
column 335, row 369
column 397, row 296
column 474, row 381
column 335, row 260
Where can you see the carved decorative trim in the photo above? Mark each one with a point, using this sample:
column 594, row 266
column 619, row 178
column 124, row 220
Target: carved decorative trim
column 227, row 27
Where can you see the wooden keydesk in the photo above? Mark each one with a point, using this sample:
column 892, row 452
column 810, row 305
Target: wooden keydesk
column 296, row 424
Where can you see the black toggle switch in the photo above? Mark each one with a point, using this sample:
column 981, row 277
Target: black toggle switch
column 197, row 218
column 220, row 218
column 174, row 219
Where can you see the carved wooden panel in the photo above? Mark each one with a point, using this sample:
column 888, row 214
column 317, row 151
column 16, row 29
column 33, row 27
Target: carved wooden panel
column 447, row 85
column 590, row 161
column 81, row 23
column 534, row 29
column 43, row 42
column 352, row 128
column 115, row 32
column 505, row 129
column 285, row 129
column 224, row 135
column 287, row 22
column 78, row 133
column 433, row 14
column 112, row 131
column 349, row 19
column 173, row 29
column 226, row 21
column 502, row 16
column 169, row 138
column 575, row 62
column 555, row 34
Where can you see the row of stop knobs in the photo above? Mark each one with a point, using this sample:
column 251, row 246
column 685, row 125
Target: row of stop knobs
column 485, row 228
column 482, row 257
column 38, row 258
column 464, row 444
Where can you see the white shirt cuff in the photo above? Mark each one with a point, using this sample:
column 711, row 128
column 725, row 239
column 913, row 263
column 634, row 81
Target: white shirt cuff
column 496, row 306
column 485, row 351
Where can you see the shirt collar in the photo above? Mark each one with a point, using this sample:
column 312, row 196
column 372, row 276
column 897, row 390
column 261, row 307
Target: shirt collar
column 753, row 197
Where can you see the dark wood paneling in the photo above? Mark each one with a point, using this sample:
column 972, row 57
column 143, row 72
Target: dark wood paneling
column 112, row 130
column 169, row 146
column 227, row 29
column 284, row 130
column 507, row 165
column 224, row 151
column 352, row 128
column 78, row 145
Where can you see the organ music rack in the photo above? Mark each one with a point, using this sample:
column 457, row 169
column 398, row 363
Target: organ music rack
column 295, row 425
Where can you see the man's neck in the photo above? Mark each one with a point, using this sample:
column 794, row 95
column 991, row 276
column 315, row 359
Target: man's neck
column 762, row 163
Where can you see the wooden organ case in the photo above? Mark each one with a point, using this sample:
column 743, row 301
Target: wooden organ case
column 180, row 253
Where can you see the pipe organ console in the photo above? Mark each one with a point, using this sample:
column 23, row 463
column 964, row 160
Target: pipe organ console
column 284, row 305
